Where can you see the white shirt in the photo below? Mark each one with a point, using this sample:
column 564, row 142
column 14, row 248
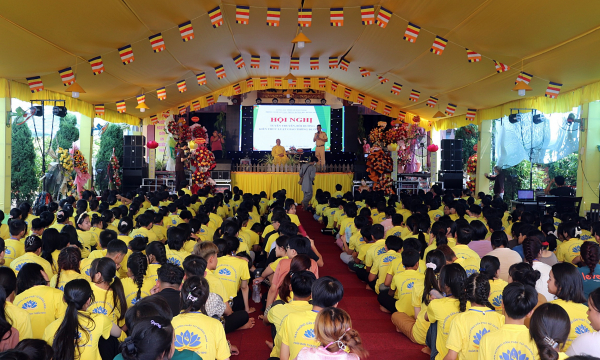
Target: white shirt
column 541, row 286
column 585, row 344
column 507, row 258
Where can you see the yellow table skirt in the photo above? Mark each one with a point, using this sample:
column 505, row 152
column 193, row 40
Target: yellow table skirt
column 269, row 182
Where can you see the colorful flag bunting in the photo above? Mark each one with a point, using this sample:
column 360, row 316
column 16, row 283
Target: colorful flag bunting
column 367, row 14
column 220, row 70
column 273, row 16
column 347, row 93
column 336, row 16
column 396, row 88
column 322, row 83
column 182, row 109
column 472, row 56
column 67, row 76
column 471, row 113
column 387, row 110
column 383, row 17
column 195, row 105
column 524, row 77
column 181, row 86
column 314, row 63
column 274, row 63
column 500, row 67
column 307, row 83
column 121, row 107
column 374, row 104
column 210, row 100
column 255, row 61
column 450, row 109
column 186, row 30
column 126, row 53
column 412, row 32
column 414, row 95
column 344, row 64
column 154, row 119
column 237, row 89
column 360, row 98
column 333, row 62
column 402, row 115
column 161, row 93
column 364, row 72
column 97, row 65
column 249, row 83
column 553, row 90
column 295, row 63
column 141, row 98
column 291, row 83
column 35, row 84
column 304, row 17
column 432, row 101
column 334, row 86
column 439, row 44
column 216, row 17
column 242, row 14
column 157, row 42
column 239, row 61
column 278, row 82
column 201, row 78
column 99, row 109
column 382, row 80
column 264, row 81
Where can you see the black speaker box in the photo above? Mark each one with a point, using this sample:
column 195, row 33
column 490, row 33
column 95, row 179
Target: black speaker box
column 451, row 180
column 451, row 165
column 133, row 162
column 451, row 144
column 220, row 175
column 452, row 154
column 134, row 140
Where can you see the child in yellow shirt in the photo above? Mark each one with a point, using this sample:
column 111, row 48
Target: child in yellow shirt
column 490, row 267
column 399, row 297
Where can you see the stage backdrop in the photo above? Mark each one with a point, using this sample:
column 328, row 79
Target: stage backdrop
column 270, row 182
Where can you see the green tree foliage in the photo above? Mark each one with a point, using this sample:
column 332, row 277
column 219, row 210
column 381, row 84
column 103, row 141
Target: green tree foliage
column 67, row 132
column 566, row 167
column 469, row 135
column 111, row 139
column 24, row 180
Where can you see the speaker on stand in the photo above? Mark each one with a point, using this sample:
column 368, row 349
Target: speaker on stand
column 134, row 166
column 451, row 173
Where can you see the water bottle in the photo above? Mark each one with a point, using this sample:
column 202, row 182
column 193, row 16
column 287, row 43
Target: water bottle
column 256, row 289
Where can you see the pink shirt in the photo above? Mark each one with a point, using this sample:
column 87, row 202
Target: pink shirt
column 481, row 247
column 321, row 353
column 283, row 268
column 215, row 144
column 387, row 224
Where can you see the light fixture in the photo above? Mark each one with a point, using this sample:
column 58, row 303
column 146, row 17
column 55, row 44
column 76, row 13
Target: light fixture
column 301, row 39
column 521, row 88
column 290, row 78
column 537, row 119
column 292, row 101
column 513, row 118
column 60, row 111
column 323, row 101
column 75, row 89
column 142, row 106
column 307, row 101
column 275, row 101
column 258, row 101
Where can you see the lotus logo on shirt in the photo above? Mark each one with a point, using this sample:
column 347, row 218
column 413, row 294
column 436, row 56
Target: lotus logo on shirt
column 397, row 233
column 388, row 259
column 134, row 301
column 513, row 354
column 309, row 334
column 410, row 285
column 381, row 251
column 585, row 237
column 174, row 222
column 100, row 310
column 225, row 272
column 87, row 271
column 581, row 329
column 187, row 340
column 7, row 251
column 477, row 337
column 29, row 305
column 576, row 249
column 139, row 235
column 497, row 301
column 470, row 272
column 174, row 261
column 18, row 267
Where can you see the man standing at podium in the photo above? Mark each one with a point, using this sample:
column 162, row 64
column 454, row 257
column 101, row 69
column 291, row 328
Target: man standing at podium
column 320, row 138
column 278, row 153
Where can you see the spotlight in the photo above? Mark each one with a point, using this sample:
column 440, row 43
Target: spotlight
column 59, row 111
column 292, row 101
column 39, row 110
column 323, row 101
column 275, row 101
column 259, row 101
column 513, row 118
column 307, row 101
column 537, row 119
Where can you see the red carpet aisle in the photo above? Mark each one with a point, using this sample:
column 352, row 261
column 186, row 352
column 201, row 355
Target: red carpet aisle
column 375, row 327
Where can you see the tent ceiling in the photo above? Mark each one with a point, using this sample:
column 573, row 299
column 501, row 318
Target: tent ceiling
column 555, row 40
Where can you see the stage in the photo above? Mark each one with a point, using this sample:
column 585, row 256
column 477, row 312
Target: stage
column 269, row 182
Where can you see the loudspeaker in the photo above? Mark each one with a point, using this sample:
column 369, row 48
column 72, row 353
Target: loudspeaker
column 133, row 162
column 451, row 144
column 247, row 141
column 451, row 165
column 134, row 140
column 451, row 154
column 336, row 130
column 220, row 175
column 451, row 180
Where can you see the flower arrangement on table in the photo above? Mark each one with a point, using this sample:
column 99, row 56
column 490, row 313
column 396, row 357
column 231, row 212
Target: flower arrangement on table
column 180, row 130
column 472, row 170
column 114, row 171
column 379, row 167
column 377, row 137
column 198, row 131
column 81, row 169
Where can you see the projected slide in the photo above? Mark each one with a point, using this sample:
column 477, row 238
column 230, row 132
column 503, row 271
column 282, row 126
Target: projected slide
column 294, row 125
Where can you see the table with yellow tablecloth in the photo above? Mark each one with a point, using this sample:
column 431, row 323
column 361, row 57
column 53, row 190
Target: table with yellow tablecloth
column 269, row 182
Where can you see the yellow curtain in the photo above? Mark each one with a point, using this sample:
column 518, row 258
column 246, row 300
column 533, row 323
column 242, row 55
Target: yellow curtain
column 270, row 182
column 20, row 91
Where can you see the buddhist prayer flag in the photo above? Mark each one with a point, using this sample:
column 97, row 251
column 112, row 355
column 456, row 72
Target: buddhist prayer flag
column 314, row 63
column 367, row 14
column 471, row 113
column 239, row 61
column 336, row 16
column 154, row 119
column 472, row 56
column 333, row 62
column 364, row 72
column 201, row 78
column 121, row 108
column 322, row 82
column 273, row 16
column 414, row 95
column 210, row 100
column 35, row 84
column 264, row 82
column 524, row 77
column 382, row 80
column 237, row 89
column 439, row 44
column 216, row 17
column 307, row 83
column 450, row 109
column 195, row 105
column 334, row 86
column 383, row 17
column 249, row 83
column 396, row 88
column 295, row 63
column 500, row 67
column 402, row 115
column 278, row 82
column 387, row 110
column 347, row 93
column 255, row 61
column 126, row 53
column 432, row 101
column 553, row 90
column 360, row 98
column 412, row 32
column 186, row 30
column 157, row 42
column 242, row 14
column 220, row 72
column 97, row 65
column 161, row 93
column 182, row 109
column 274, row 63
column 141, row 98
column 99, row 109
column 304, row 17
column 374, row 104
column 291, row 83
column 344, row 64
column 67, row 76
column 181, row 86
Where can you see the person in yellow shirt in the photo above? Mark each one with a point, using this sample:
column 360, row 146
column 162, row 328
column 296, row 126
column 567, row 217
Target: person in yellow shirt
column 467, row 328
column 78, row 323
column 569, row 249
column 109, row 297
column 145, row 226
column 279, row 154
column 68, row 262
column 193, row 329
column 136, row 286
column 470, row 258
column 566, row 284
column 125, row 227
column 157, row 257
column 381, row 263
column 86, row 237
column 14, row 315
column 43, row 303
column 62, row 219
column 173, row 218
column 451, row 281
column 549, row 328
column 158, row 227
column 116, row 250
column 175, row 240
column 4, row 232
column 490, row 267
column 512, row 340
column 399, row 296
column 234, row 274
column 13, row 246
column 33, row 249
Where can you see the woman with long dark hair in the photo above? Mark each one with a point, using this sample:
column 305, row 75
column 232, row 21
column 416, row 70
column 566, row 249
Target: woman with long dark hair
column 68, row 268
column 108, row 290
column 157, row 257
column 549, row 328
column 136, row 286
column 587, row 344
